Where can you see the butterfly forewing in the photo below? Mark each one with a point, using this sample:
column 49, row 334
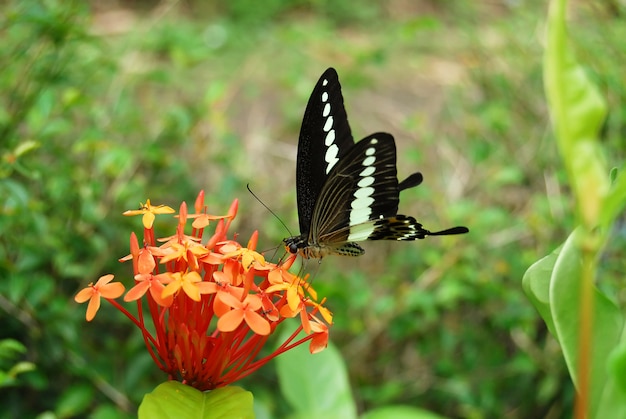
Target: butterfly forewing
column 325, row 138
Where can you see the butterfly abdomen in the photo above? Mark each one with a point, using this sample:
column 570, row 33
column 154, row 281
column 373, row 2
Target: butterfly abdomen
column 301, row 245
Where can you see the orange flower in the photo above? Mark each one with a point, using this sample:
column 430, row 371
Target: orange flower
column 213, row 332
column 184, row 251
column 326, row 314
column 320, row 336
column 190, row 282
column 284, row 280
column 153, row 283
column 201, row 218
column 243, row 310
column 94, row 292
column 149, row 211
column 248, row 257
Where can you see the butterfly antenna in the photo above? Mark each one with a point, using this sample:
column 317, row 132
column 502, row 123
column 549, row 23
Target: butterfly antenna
column 268, row 208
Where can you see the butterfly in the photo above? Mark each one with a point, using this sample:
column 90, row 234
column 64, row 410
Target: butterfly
column 347, row 192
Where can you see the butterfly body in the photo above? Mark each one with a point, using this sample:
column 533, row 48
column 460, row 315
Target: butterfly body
column 347, row 192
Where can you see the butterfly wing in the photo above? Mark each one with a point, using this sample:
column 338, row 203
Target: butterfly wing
column 325, row 138
column 360, row 200
column 347, row 192
column 363, row 186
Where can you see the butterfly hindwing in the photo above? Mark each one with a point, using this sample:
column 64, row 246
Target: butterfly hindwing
column 325, row 138
column 363, row 186
column 396, row 227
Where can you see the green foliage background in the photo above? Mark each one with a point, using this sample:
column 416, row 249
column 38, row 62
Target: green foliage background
column 105, row 105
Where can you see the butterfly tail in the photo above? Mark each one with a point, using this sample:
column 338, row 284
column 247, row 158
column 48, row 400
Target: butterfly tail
column 449, row 231
column 410, row 182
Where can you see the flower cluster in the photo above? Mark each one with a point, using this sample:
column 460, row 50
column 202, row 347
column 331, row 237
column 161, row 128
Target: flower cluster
column 206, row 309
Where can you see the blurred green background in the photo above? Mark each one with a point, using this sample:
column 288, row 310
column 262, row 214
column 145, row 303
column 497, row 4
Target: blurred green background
column 107, row 103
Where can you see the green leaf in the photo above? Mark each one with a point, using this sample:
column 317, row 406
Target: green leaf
column 615, row 201
column 536, row 285
column 178, row 401
column 607, row 326
column 617, row 364
column 553, row 284
column 22, row 367
column 400, row 412
column 577, row 111
column 573, row 302
column 316, row 386
column 10, row 349
column 74, row 401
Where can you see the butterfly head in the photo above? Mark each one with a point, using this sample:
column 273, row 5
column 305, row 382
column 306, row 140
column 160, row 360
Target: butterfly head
column 295, row 243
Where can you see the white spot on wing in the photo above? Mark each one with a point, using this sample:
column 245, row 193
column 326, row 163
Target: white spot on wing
column 362, row 204
column 329, row 124
column 366, row 181
column 360, row 231
column 368, row 161
column 330, row 138
column 359, row 216
column 361, row 210
column 331, row 157
column 326, row 110
column 363, row 193
column 324, row 82
column 368, row 171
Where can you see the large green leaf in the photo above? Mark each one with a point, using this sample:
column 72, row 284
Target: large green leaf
column 577, row 111
column 567, row 299
column 607, row 325
column 316, row 386
column 178, row 401
column 554, row 286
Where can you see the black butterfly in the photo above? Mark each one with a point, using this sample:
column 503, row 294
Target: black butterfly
column 347, row 192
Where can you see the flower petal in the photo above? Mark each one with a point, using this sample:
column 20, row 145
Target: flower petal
column 199, row 203
column 156, row 291
column 103, row 280
column 84, row 294
column 113, row 290
column 293, row 298
column 257, row 323
column 326, row 314
column 171, row 289
column 161, row 209
column 137, row 291
column 146, row 263
column 229, row 300
column 252, row 302
column 191, row 290
column 200, row 222
column 230, row 321
column 148, row 219
column 92, row 308
column 319, row 342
